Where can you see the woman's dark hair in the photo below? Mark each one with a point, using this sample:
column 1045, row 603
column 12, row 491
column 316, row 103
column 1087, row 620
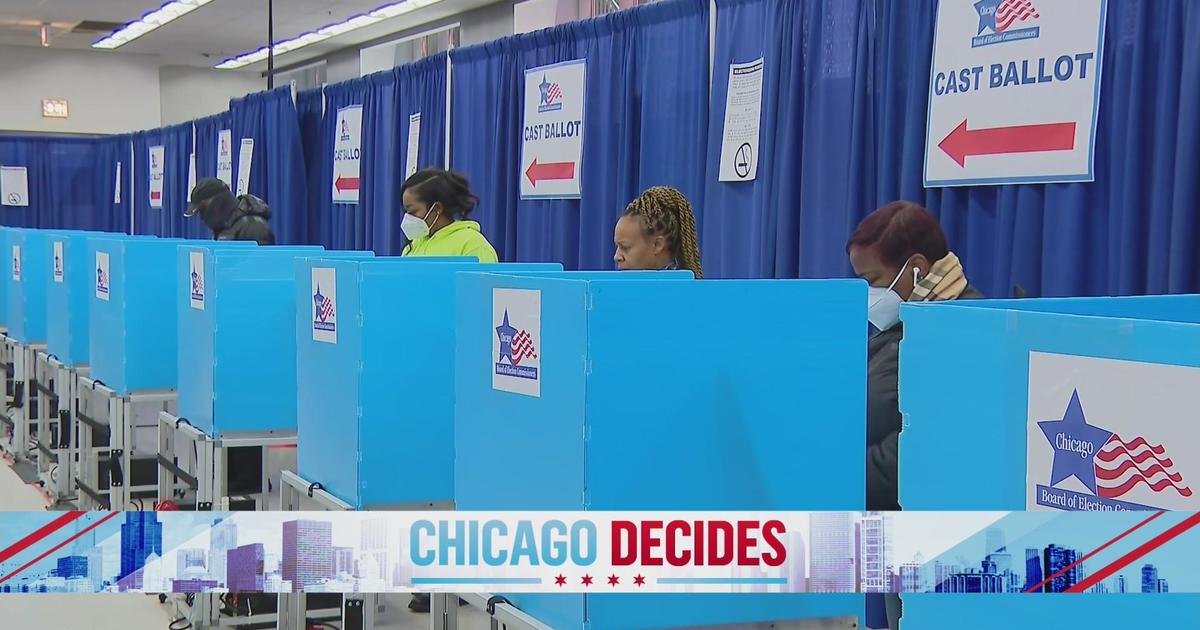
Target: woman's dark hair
column 448, row 188
column 665, row 211
column 899, row 230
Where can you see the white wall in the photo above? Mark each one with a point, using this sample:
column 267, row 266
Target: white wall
column 487, row 23
column 188, row 93
column 105, row 92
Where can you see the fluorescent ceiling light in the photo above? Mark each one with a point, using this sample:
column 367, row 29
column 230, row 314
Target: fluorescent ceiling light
column 152, row 20
column 325, row 32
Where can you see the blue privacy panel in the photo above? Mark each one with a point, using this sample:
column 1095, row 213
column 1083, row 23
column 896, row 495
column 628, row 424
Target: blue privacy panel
column 1115, row 611
column 395, row 335
column 133, row 314
column 1167, row 308
column 67, row 298
column 29, row 279
column 660, row 392
column 964, row 378
column 236, row 317
column 6, row 236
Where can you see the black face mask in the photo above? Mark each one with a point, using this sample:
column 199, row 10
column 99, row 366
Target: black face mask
column 217, row 211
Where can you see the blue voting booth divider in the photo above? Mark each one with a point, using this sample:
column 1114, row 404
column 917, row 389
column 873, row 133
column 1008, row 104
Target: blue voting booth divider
column 657, row 392
column 68, row 299
column 964, row 378
column 29, row 282
column 244, row 378
column 6, row 242
column 133, row 331
column 380, row 383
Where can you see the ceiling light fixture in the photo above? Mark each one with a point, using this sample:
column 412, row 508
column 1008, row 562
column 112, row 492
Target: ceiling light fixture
column 325, row 32
column 152, row 20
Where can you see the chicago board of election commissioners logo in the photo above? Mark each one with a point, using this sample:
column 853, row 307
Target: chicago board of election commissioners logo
column 551, row 96
column 1006, row 21
column 516, row 347
column 324, row 317
column 101, row 281
column 1109, row 465
column 197, row 285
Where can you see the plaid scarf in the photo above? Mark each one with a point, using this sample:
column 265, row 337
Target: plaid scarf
column 945, row 281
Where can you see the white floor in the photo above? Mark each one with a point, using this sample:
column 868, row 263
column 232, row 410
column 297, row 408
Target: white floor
column 135, row 611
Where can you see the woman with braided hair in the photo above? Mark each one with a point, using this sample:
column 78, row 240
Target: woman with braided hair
column 658, row 231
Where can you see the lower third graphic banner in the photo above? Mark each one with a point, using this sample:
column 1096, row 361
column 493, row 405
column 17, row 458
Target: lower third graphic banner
column 582, row 552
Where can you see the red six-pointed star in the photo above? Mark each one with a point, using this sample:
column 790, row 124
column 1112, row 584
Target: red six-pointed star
column 560, row 580
column 587, row 580
column 613, row 580
column 639, row 581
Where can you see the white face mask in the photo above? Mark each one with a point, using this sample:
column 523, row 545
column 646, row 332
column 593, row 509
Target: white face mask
column 883, row 305
column 414, row 227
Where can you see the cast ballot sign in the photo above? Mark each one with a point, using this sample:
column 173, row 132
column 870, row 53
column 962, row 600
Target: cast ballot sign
column 156, row 176
column 347, row 148
column 1110, row 435
column 552, row 137
column 1013, row 92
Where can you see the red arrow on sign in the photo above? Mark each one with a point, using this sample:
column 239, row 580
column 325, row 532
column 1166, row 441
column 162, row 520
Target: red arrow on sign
column 963, row 142
column 549, row 171
column 346, row 183
column 156, row 195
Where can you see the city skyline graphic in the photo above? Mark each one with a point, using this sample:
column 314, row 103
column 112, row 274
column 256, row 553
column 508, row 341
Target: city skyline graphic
column 828, row 552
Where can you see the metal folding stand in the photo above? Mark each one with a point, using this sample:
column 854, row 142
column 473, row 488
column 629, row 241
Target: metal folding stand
column 8, row 425
column 359, row 610
column 103, row 410
column 444, row 612
column 54, row 387
column 200, row 462
column 21, row 408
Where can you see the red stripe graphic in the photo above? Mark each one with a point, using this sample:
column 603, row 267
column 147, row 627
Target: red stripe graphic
column 61, row 544
column 1132, row 482
column 1149, row 471
column 44, row 531
column 1038, row 588
column 1108, row 456
column 1137, row 443
column 1132, row 556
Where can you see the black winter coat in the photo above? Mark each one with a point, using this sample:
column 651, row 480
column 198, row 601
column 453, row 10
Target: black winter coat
column 883, row 415
column 247, row 221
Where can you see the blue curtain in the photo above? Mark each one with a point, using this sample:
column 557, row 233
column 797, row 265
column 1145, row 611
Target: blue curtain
column 167, row 221
column 278, row 172
column 647, row 114
column 844, row 132
column 335, row 223
column 310, row 109
column 70, row 182
column 111, row 215
column 808, row 192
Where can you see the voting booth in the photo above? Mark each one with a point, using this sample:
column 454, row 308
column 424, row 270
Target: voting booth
column 237, row 372
column 653, row 391
column 26, row 308
column 133, row 360
column 376, row 377
column 1011, row 389
column 997, row 611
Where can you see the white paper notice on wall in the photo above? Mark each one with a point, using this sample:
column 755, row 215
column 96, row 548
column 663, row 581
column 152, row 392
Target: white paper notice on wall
column 191, row 183
column 324, row 304
column 14, row 186
column 347, row 149
column 743, row 118
column 245, row 161
column 16, row 263
column 157, row 169
column 117, row 185
column 414, row 144
column 225, row 157
column 517, row 342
